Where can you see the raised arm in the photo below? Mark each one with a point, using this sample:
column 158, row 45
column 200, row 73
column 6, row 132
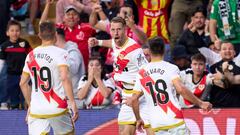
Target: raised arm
column 92, row 42
column 44, row 16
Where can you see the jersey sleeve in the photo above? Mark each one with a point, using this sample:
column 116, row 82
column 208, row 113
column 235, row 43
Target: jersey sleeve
column 82, row 82
column 175, row 74
column 26, row 68
column 214, row 10
column 109, row 84
column 137, row 85
column 62, row 59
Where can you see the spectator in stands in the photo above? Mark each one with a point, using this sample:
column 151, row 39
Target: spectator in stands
column 14, row 52
column 197, row 79
column 195, row 35
column 181, row 13
column 84, row 5
column 180, row 57
column 75, row 60
column 230, row 96
column 78, row 33
column 4, row 11
column 94, row 87
column 224, row 22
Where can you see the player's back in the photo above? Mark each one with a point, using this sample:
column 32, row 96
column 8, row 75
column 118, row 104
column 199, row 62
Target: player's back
column 48, row 96
column 156, row 80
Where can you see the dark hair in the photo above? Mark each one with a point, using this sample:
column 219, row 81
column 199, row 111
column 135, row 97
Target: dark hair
column 100, row 59
column 156, row 45
column 118, row 19
column 201, row 10
column 60, row 32
column 47, row 30
column 13, row 22
column 198, row 57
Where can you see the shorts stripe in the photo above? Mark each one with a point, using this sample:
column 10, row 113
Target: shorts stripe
column 168, row 127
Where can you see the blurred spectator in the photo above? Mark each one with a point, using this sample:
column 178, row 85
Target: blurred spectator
column 196, row 35
column 224, row 22
column 75, row 60
column 197, row 79
column 230, row 96
column 4, row 11
column 153, row 17
column 78, row 33
column 81, row 5
column 14, row 52
column 180, row 57
column 5, row 16
column 110, row 8
column 181, row 13
column 94, row 87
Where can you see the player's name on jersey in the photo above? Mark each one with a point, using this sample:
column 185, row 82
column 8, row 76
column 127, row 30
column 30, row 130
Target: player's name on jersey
column 154, row 71
column 43, row 56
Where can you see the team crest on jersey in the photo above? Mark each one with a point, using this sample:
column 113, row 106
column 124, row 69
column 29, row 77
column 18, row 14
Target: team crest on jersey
column 230, row 67
column 201, row 86
column 80, row 35
column 22, row 44
column 140, row 60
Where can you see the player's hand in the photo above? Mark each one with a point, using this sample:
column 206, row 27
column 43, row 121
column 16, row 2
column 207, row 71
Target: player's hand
column 139, row 125
column 128, row 101
column 90, row 74
column 92, row 42
column 97, row 73
column 74, row 112
column 206, row 106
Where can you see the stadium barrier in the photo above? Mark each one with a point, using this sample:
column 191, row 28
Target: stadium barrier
column 104, row 122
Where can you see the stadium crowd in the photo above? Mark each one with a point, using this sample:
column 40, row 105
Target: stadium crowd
column 201, row 37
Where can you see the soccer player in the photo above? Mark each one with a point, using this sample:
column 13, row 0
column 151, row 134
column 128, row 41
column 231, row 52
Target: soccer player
column 48, row 70
column 128, row 57
column 157, row 81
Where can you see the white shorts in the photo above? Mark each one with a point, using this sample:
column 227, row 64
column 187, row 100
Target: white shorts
column 61, row 125
column 180, row 130
column 126, row 115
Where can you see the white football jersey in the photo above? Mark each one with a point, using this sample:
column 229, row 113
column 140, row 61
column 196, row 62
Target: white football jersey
column 197, row 88
column 155, row 80
column 127, row 61
column 48, row 96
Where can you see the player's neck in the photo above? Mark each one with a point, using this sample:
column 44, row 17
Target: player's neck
column 60, row 43
column 196, row 77
column 156, row 58
column 47, row 42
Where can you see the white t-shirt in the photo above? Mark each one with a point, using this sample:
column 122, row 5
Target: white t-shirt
column 155, row 80
column 48, row 96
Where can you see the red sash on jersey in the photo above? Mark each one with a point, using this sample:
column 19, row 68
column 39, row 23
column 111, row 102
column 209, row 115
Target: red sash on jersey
column 62, row 103
column 121, row 62
column 97, row 99
column 164, row 107
column 198, row 91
